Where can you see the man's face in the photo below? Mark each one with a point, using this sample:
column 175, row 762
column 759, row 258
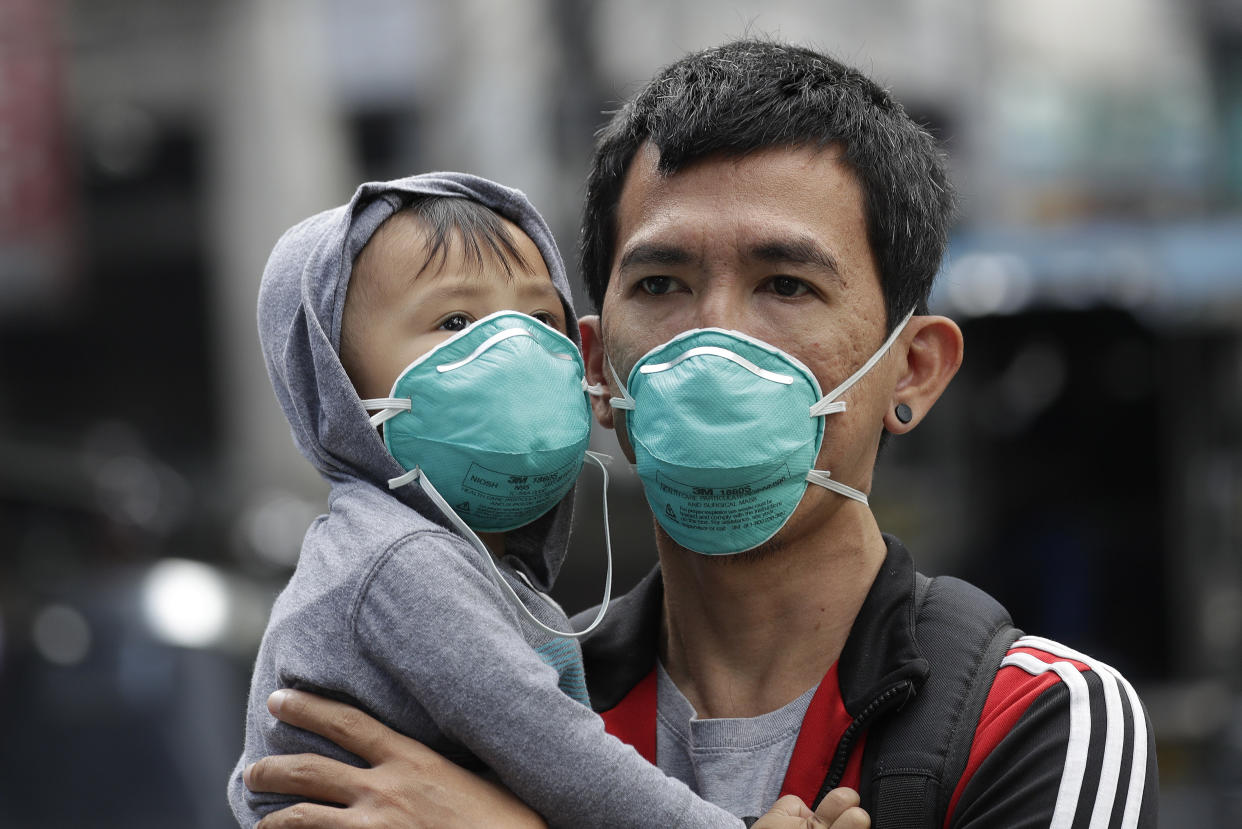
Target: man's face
column 774, row 245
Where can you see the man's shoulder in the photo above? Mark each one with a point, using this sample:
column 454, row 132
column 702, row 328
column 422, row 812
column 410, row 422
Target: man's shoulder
column 1019, row 678
column 999, row 709
column 1059, row 715
column 1033, row 666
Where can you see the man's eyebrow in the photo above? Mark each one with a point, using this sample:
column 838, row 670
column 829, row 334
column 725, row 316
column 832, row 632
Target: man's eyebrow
column 650, row 253
column 796, row 251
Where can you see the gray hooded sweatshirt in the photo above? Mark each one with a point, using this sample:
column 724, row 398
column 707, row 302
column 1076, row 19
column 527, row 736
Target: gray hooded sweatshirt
column 393, row 611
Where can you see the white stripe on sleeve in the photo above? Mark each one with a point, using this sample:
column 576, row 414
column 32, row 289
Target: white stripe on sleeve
column 1111, row 770
column 1079, row 733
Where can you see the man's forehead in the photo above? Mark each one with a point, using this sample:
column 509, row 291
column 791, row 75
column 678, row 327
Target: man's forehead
column 781, row 205
column 768, row 172
column 647, row 158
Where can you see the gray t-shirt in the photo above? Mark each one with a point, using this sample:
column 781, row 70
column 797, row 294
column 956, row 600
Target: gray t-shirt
column 737, row 763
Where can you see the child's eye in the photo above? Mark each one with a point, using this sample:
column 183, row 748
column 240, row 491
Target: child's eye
column 547, row 319
column 455, row 322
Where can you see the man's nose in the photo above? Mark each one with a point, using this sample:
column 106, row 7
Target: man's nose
column 718, row 307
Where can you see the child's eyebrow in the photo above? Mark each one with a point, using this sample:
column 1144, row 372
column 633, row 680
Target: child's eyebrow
column 455, row 286
column 474, row 285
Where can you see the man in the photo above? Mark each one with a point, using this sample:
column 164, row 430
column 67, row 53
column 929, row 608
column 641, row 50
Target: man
column 764, row 207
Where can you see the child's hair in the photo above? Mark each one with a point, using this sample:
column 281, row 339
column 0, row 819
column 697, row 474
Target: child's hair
column 437, row 223
column 450, row 220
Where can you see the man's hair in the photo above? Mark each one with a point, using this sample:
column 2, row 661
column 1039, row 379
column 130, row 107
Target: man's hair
column 750, row 95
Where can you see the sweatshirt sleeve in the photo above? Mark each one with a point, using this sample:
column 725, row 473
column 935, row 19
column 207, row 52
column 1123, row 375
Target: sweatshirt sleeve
column 1063, row 741
column 436, row 620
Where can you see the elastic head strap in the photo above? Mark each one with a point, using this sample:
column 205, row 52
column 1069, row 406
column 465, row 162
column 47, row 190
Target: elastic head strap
column 389, row 407
column 624, row 401
column 820, row 477
column 828, row 404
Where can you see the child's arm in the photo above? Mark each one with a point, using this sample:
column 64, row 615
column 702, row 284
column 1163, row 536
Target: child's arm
column 408, row 785
column 441, row 626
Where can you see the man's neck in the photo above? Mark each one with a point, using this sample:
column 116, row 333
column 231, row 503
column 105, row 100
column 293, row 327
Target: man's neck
column 746, row 634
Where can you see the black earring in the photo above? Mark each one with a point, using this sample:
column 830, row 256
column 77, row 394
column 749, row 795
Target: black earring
column 903, row 413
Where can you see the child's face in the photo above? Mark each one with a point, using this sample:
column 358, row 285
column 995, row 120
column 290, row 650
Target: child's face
column 394, row 314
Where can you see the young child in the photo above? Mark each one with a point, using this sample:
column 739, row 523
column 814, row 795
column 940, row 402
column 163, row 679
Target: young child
column 391, row 608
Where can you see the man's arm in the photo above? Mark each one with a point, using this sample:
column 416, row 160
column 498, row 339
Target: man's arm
column 409, row 786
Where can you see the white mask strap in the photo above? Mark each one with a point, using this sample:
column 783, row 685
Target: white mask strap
column 820, row 477
column 415, row 474
column 624, row 401
column 828, row 404
column 389, row 407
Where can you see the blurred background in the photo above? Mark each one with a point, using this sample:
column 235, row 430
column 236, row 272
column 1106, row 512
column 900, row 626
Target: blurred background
column 1085, row 467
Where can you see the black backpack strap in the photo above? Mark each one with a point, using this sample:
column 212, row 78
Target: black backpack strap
column 917, row 756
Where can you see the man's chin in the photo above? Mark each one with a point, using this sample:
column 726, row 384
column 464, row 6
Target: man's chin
column 772, row 547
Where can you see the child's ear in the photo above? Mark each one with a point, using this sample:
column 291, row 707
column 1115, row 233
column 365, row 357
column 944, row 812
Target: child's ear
column 596, row 372
column 933, row 353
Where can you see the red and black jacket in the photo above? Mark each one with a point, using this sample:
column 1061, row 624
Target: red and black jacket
column 936, row 712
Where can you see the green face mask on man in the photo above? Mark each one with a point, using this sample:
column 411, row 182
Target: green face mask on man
column 726, row 429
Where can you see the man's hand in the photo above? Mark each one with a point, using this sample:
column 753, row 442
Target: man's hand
column 838, row 810
column 408, row 784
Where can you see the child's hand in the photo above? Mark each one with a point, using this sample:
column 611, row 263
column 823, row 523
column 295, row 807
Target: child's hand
column 838, row 810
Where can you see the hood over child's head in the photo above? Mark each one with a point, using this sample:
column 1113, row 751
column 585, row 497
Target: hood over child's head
column 303, row 300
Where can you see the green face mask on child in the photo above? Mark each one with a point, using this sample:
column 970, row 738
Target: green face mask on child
column 493, row 425
column 496, row 419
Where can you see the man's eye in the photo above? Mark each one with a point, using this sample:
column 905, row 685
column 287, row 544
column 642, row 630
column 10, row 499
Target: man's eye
column 455, row 323
column 788, row 286
column 656, row 285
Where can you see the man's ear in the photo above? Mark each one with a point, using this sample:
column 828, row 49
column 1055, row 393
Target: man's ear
column 932, row 356
column 597, row 373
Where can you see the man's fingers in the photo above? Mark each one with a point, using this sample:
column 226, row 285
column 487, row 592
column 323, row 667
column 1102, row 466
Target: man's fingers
column 836, row 804
column 853, row 818
column 302, row 775
column 306, row 816
column 790, row 806
column 342, row 724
